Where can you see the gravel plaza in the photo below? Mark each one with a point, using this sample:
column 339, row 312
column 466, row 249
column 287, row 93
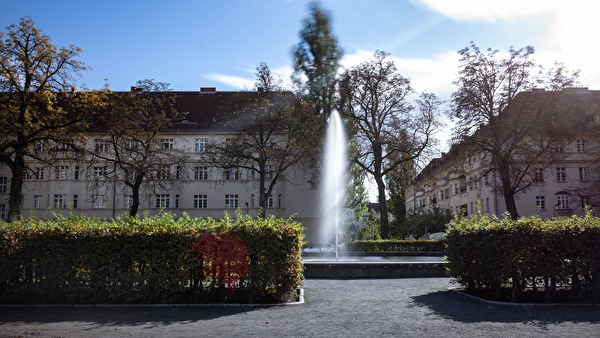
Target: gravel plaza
column 408, row 307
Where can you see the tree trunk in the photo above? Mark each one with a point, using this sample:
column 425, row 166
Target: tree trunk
column 135, row 203
column 507, row 191
column 384, row 223
column 15, row 199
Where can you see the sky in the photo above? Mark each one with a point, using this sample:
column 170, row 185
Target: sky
column 201, row 43
column 219, row 43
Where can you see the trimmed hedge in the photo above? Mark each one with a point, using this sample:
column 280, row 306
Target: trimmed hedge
column 395, row 245
column 526, row 260
column 155, row 260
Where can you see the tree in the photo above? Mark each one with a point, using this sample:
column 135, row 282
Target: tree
column 389, row 129
column 136, row 149
column 39, row 101
column 513, row 132
column 317, row 57
column 270, row 132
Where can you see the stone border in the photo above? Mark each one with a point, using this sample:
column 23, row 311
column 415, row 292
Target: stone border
column 459, row 290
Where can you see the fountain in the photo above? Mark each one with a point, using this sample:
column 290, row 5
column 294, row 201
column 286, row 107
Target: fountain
column 334, row 179
column 372, row 265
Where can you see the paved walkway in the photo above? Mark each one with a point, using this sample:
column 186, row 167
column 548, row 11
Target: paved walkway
column 418, row 307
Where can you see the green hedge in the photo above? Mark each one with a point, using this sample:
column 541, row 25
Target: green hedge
column 80, row 260
column 528, row 259
column 394, row 245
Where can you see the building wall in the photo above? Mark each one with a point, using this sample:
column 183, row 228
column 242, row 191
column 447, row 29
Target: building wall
column 73, row 190
column 458, row 185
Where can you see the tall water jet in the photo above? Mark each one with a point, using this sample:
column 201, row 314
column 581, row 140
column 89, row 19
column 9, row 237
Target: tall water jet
column 335, row 179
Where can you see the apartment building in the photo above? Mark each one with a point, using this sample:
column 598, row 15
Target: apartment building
column 465, row 182
column 77, row 184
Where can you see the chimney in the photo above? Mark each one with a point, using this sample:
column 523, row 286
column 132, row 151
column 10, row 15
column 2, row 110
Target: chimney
column 260, row 89
column 208, row 89
column 136, row 90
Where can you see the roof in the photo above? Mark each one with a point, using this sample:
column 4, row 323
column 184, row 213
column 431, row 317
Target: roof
column 209, row 110
column 578, row 100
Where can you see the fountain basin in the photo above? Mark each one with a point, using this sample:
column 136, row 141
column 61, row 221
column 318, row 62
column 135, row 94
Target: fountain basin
column 373, row 266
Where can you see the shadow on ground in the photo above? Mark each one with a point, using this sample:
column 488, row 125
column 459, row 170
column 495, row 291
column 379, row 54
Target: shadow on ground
column 462, row 308
column 118, row 316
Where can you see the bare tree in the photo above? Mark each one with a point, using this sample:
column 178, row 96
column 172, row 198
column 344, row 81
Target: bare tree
column 39, row 103
column 270, row 131
column 135, row 148
column 389, row 128
column 514, row 132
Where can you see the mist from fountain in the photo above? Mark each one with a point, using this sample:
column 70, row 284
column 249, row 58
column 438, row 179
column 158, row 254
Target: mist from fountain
column 335, row 179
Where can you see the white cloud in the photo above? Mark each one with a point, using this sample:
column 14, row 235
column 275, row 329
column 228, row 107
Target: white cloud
column 236, row 82
column 434, row 75
column 478, row 10
column 568, row 28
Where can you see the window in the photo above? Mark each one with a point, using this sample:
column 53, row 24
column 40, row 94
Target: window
column 75, row 201
column 163, row 172
column 561, row 174
column 61, row 172
column 127, row 201
column 101, row 146
column 167, row 143
column 200, row 173
column 178, row 172
column 99, row 172
column 76, row 172
column 456, row 189
column 162, row 200
column 269, row 201
column 580, row 145
column 562, row 202
column 232, row 174
column 39, row 173
column 487, row 204
column 231, row 201
column 539, row 175
column 447, row 193
column 252, row 201
column 98, row 202
column 200, row 145
column 269, row 172
column 540, row 202
column 3, row 184
column 442, row 195
column 131, row 144
column 583, row 174
column 2, row 211
column 37, row 201
column 585, row 201
column 176, row 201
column 200, row 202
column 59, row 202
column 279, row 201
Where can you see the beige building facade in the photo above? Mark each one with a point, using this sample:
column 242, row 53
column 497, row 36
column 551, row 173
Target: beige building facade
column 79, row 186
column 465, row 184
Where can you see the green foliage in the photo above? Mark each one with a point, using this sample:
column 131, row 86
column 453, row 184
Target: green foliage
column 371, row 229
column 150, row 260
column 394, row 245
column 421, row 222
column 503, row 258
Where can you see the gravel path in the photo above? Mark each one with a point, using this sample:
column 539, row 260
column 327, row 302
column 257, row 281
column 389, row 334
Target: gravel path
column 418, row 307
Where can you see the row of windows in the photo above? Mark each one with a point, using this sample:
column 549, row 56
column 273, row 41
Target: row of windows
column 164, row 172
column 561, row 174
column 563, row 202
column 59, row 201
column 103, row 146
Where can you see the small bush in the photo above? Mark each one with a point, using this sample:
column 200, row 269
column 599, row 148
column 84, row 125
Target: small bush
column 395, row 245
column 526, row 260
column 81, row 260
